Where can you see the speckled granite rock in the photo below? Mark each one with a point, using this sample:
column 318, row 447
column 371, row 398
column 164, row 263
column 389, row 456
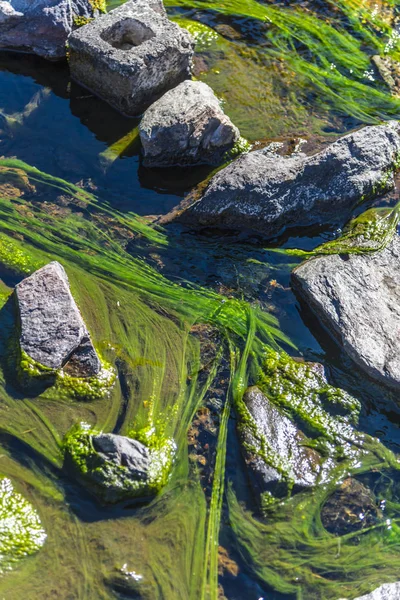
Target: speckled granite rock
column 40, row 26
column 357, row 298
column 265, row 192
column 53, row 332
column 131, row 56
column 389, row 591
column 186, row 126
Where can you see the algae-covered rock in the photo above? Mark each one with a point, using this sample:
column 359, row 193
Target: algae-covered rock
column 52, row 331
column 357, row 299
column 186, row 126
column 116, row 467
column 283, row 462
column 293, row 426
column 267, row 193
column 21, row 531
column 351, row 507
column 42, row 26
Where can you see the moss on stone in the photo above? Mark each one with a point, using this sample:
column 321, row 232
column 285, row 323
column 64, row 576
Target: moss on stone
column 109, row 480
column 302, row 391
column 81, row 21
column 100, row 5
column 15, row 257
column 21, row 531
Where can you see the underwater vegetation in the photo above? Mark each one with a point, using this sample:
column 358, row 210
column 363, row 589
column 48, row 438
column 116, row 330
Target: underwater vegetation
column 142, row 322
column 281, row 69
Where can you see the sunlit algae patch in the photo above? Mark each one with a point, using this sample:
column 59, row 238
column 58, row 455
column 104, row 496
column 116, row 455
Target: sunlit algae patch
column 21, row 532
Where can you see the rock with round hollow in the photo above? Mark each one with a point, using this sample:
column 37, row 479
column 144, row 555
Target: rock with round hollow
column 131, row 56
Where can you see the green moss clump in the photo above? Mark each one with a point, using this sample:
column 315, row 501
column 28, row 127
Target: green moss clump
column 112, row 482
column 371, row 231
column 81, row 21
column 21, row 532
column 86, row 388
column 16, row 258
column 65, row 385
column 100, row 5
column 241, row 147
column 302, row 391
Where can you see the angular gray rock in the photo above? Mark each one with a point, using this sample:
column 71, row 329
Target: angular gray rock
column 288, row 460
column 388, row 591
column 40, row 26
column 52, row 331
column 131, row 56
column 125, row 452
column 267, row 193
column 357, row 299
column 186, row 126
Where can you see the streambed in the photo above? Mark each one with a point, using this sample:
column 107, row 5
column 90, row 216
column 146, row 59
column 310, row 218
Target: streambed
column 185, row 318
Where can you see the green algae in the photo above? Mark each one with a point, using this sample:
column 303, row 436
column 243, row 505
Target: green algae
column 323, row 63
column 114, row 482
column 21, row 531
column 141, row 320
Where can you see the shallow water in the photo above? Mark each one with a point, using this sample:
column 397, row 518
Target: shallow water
column 146, row 294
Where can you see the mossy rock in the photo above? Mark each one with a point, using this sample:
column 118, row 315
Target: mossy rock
column 112, row 477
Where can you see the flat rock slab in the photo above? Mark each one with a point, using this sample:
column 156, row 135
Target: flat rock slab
column 40, row 26
column 357, row 299
column 186, row 126
column 265, row 192
column 131, row 56
column 287, row 460
column 52, row 331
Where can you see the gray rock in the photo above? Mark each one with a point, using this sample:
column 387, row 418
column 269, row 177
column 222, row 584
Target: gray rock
column 265, row 192
column 40, row 26
column 122, row 451
column 186, row 126
column 389, row 591
column 131, row 56
column 287, row 460
column 357, row 298
column 53, row 332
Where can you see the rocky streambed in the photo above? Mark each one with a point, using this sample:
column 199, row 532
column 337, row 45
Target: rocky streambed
column 199, row 300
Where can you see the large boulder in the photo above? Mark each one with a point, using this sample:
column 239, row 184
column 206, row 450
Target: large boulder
column 41, row 26
column 357, row 298
column 131, row 56
column 265, row 192
column 52, row 331
column 186, row 126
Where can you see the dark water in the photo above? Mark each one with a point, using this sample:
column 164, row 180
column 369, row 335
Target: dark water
column 64, row 131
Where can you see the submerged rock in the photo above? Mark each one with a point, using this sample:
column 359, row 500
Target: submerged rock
column 186, row 126
column 131, row 56
column 350, row 508
column 357, row 298
column 293, row 426
column 265, row 192
column 116, row 467
column 282, row 462
column 41, row 26
column 52, row 331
